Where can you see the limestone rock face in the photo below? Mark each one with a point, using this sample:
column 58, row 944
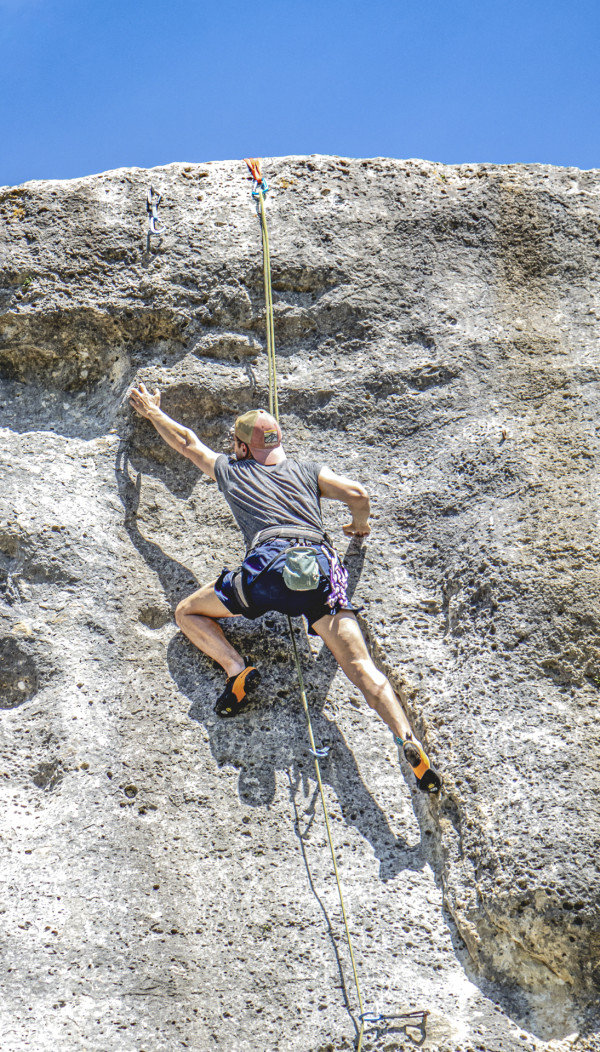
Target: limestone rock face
column 166, row 881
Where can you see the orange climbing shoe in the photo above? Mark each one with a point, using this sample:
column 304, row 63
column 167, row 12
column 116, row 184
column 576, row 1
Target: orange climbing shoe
column 428, row 779
column 235, row 696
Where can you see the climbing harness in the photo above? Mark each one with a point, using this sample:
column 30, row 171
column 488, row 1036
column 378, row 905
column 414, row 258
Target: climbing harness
column 152, row 202
column 294, row 533
column 282, row 533
column 259, row 192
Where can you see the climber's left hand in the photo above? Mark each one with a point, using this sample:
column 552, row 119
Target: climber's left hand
column 143, row 402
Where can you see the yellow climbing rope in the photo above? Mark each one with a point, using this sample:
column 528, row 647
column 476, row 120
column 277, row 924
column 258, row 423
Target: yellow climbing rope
column 328, row 827
column 259, row 193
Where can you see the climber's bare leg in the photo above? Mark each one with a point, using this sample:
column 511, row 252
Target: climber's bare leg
column 341, row 633
column 196, row 617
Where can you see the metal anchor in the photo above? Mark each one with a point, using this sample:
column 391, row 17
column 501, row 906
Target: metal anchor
column 152, row 202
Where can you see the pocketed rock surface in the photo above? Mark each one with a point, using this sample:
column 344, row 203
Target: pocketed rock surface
column 166, row 881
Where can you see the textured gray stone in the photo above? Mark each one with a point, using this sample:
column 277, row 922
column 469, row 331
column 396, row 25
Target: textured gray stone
column 437, row 334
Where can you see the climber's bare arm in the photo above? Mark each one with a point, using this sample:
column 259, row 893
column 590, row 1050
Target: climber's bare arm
column 176, row 435
column 351, row 493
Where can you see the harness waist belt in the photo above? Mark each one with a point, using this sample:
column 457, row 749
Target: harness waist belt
column 300, row 533
column 284, row 533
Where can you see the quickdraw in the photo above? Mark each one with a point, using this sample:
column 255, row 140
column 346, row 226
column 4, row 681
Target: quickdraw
column 401, row 1023
column 322, row 753
column 260, row 186
column 152, row 202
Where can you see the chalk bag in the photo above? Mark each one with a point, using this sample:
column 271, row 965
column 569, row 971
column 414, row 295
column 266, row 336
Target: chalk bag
column 301, row 572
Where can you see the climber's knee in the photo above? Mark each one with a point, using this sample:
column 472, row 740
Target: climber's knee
column 375, row 686
column 365, row 675
column 203, row 603
column 357, row 671
column 180, row 613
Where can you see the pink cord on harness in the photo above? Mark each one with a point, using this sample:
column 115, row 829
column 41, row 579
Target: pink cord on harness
column 338, row 576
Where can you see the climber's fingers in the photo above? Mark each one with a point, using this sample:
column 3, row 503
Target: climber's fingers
column 142, row 401
column 135, row 398
column 351, row 530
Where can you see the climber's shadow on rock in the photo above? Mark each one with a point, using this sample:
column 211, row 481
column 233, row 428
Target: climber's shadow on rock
column 264, row 738
column 176, row 580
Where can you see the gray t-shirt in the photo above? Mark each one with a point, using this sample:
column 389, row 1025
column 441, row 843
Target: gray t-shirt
column 284, row 494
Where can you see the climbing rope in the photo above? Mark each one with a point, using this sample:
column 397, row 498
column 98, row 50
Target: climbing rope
column 318, row 754
column 259, row 192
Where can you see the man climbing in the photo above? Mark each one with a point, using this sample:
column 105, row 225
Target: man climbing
column 289, row 566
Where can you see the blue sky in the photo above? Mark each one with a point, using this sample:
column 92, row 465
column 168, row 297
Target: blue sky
column 86, row 86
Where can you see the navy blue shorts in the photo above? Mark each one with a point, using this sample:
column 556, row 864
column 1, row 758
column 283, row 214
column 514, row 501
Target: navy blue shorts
column 270, row 592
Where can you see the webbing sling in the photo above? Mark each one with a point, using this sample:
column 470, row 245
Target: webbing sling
column 259, row 192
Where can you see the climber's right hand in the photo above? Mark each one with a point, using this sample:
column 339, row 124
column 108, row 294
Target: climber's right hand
column 143, row 402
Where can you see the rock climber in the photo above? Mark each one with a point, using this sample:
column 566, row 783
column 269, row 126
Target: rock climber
column 289, row 566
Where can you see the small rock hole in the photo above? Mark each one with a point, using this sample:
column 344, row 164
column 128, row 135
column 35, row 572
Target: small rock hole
column 18, row 674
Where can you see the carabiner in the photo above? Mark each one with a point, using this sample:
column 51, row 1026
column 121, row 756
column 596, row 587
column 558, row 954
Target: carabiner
column 152, row 203
column 322, row 753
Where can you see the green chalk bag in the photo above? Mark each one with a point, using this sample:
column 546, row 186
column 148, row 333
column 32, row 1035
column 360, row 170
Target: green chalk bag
column 301, row 572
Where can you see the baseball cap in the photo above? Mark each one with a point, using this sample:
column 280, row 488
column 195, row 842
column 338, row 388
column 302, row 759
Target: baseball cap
column 261, row 432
